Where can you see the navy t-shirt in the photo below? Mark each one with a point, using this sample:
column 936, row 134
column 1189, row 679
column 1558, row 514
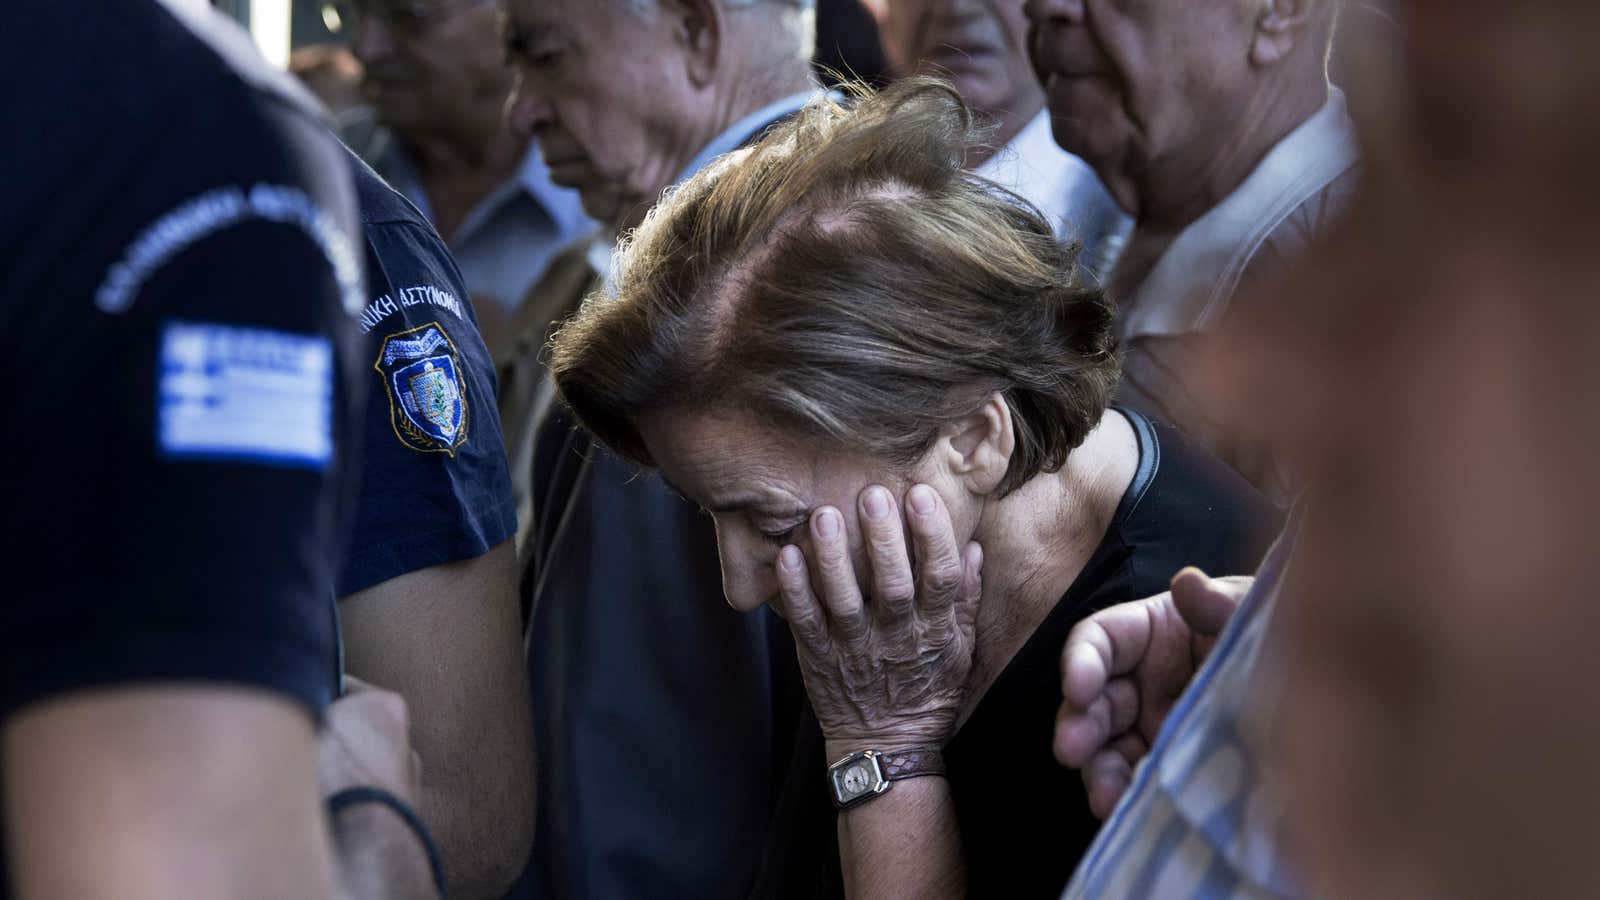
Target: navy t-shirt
column 177, row 302
column 435, row 487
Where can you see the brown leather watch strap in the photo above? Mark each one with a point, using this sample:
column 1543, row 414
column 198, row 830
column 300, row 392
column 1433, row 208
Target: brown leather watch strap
column 910, row 764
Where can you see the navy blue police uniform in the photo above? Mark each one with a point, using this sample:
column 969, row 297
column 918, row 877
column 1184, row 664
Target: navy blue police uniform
column 435, row 487
column 178, row 300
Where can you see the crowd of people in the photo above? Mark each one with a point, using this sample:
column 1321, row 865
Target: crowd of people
column 1140, row 442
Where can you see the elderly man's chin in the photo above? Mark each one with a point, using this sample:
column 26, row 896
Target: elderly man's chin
column 1085, row 116
column 603, row 201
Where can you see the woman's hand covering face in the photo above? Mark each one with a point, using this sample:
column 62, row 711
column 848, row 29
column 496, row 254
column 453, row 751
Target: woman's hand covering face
column 890, row 670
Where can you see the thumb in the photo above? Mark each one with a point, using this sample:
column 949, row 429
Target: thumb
column 1205, row 603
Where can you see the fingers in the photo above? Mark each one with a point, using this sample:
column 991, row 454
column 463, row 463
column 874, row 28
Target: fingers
column 1105, row 645
column 841, row 596
column 893, row 588
column 1206, row 604
column 1081, row 734
column 1108, row 774
column 799, row 605
column 939, row 562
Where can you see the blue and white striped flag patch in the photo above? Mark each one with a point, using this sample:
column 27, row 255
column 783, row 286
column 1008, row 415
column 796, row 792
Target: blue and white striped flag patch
column 230, row 393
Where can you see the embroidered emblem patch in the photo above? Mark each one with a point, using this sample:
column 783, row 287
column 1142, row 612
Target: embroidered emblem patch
column 421, row 370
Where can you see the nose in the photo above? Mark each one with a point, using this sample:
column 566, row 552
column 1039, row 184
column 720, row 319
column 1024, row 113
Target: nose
column 370, row 39
column 527, row 109
column 748, row 578
column 1042, row 11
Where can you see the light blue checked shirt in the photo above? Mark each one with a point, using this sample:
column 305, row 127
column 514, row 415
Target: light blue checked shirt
column 1199, row 820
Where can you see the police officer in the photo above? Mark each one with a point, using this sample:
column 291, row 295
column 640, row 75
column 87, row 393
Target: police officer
column 429, row 604
column 177, row 300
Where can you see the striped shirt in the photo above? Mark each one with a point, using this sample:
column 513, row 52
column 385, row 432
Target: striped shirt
column 1200, row 819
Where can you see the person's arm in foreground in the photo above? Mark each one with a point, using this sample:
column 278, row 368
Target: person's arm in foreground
column 365, row 743
column 177, row 792
column 889, row 673
column 1124, row 668
column 448, row 639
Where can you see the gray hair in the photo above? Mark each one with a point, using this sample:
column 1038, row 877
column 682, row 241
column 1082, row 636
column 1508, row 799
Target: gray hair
column 846, row 279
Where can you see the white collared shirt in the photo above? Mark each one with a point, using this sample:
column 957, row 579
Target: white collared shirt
column 1069, row 193
column 1202, row 816
column 505, row 243
column 1195, row 277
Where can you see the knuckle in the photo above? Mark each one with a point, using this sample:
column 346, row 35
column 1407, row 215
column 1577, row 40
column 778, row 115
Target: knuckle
column 944, row 578
column 897, row 588
column 851, row 628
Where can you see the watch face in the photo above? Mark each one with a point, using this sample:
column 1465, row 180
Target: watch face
column 856, row 779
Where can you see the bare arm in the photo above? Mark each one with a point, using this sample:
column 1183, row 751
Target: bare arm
column 165, row 792
column 448, row 639
column 902, row 844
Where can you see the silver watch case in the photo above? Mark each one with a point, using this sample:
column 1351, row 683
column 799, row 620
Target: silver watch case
column 856, row 779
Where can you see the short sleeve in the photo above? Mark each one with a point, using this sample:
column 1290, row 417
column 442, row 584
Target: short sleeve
column 180, row 387
column 435, row 487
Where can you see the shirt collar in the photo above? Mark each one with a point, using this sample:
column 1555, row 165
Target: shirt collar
column 746, row 128
column 532, row 180
column 1198, row 272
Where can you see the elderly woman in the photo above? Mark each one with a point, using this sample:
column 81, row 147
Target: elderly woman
column 882, row 378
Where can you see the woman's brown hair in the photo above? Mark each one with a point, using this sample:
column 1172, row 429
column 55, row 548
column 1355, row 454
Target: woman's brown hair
column 845, row 278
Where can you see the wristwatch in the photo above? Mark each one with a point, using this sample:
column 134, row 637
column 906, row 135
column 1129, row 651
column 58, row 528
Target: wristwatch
column 865, row 774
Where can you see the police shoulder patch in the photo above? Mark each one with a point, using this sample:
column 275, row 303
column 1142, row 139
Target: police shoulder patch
column 421, row 371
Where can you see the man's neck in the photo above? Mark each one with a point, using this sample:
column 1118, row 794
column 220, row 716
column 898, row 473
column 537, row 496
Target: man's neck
column 1176, row 191
column 448, row 153
column 739, row 98
column 1037, row 540
column 456, row 175
column 734, row 99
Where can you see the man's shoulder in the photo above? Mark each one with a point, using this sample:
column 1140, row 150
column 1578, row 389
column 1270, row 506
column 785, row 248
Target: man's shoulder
column 1304, row 224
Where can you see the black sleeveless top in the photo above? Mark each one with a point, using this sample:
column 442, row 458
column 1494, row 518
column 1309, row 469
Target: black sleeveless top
column 1024, row 819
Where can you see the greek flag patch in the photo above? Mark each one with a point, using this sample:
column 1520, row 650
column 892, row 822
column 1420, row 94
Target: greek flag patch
column 421, row 372
column 239, row 394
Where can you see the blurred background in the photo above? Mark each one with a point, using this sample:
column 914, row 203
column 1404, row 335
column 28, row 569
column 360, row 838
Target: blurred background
column 281, row 27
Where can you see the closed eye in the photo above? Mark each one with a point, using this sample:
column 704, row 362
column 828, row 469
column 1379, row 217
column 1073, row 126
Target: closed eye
column 786, row 536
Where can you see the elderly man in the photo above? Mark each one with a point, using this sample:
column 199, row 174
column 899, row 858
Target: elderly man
column 1230, row 153
column 436, row 133
column 980, row 46
column 658, row 714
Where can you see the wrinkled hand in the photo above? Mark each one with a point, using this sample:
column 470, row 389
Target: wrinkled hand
column 887, row 671
column 366, row 741
column 1123, row 669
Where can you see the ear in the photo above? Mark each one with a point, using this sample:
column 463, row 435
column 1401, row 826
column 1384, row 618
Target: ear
column 977, row 448
column 698, row 26
column 1283, row 24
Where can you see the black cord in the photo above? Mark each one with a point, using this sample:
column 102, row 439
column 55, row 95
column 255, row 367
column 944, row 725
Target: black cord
column 351, row 796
